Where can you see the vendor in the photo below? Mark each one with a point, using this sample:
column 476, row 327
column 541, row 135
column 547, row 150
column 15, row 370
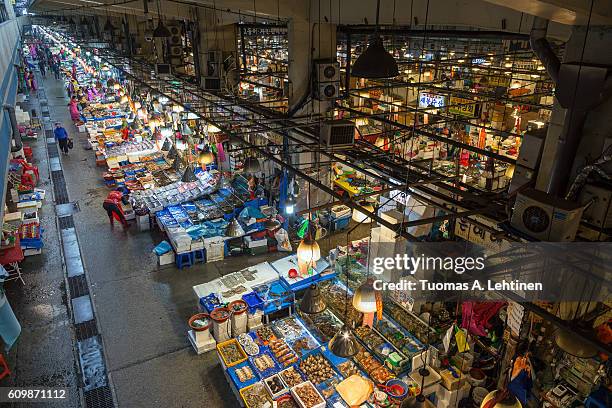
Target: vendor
column 74, row 110
column 113, row 208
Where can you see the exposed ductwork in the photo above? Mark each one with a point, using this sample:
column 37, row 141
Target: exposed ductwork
column 579, row 88
column 541, row 47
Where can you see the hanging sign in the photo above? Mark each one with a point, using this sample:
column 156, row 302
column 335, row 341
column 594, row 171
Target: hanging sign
column 428, row 99
column 471, row 232
column 463, row 106
column 502, row 81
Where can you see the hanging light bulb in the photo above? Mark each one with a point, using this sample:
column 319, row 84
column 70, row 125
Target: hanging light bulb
column 116, row 86
column 364, row 298
column 312, row 302
column 205, row 158
column 344, row 344
column 189, row 174
column 137, row 105
column 251, row 165
column 290, row 205
column 308, row 251
column 123, row 99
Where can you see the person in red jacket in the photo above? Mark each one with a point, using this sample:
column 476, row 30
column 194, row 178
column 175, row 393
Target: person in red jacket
column 113, row 208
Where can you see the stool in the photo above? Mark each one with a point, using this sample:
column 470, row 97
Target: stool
column 184, row 259
column 199, row 255
column 4, row 367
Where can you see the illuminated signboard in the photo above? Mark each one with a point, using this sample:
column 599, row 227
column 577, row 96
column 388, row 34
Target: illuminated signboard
column 427, row 100
column 478, row 61
column 463, row 107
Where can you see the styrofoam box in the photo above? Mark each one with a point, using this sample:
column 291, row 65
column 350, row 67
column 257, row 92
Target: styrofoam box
column 197, row 244
column 450, row 399
column 166, row 258
column 257, row 243
column 299, row 401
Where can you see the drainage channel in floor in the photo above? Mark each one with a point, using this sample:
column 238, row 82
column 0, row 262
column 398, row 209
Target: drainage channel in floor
column 94, row 378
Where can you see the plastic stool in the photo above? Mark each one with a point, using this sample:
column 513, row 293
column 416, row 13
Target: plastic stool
column 199, row 255
column 184, row 260
column 4, row 367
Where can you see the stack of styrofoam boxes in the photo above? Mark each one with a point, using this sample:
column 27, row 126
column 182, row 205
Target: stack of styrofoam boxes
column 181, row 241
column 256, row 247
column 255, row 320
column 450, row 399
column 197, row 244
column 215, row 248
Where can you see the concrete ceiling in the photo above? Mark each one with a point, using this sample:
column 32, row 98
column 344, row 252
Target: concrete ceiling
column 486, row 14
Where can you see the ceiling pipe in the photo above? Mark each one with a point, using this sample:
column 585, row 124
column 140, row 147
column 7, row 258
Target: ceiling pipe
column 541, row 47
column 451, row 34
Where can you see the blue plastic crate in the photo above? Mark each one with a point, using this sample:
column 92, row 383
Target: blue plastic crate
column 341, row 223
column 209, row 303
column 253, row 301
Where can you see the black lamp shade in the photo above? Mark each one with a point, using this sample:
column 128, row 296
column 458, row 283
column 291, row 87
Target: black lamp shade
column 172, row 153
column 108, row 26
column 161, row 31
column 312, row 302
column 375, row 62
column 344, row 344
column 166, row 146
column 189, row 175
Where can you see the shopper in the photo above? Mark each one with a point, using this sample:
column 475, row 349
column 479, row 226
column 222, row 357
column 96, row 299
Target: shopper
column 42, row 67
column 113, row 208
column 55, row 68
column 62, row 137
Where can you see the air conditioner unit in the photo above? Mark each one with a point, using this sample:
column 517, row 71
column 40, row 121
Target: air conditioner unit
column 327, row 71
column 175, row 36
column 337, row 134
column 328, row 90
column 176, row 50
column 163, row 69
column 545, row 217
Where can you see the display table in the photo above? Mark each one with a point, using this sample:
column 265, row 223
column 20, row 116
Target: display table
column 321, row 273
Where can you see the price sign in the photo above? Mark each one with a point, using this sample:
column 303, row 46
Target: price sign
column 462, row 106
column 502, row 81
column 428, row 99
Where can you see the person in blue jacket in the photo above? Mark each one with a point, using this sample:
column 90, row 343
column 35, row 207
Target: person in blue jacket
column 62, row 137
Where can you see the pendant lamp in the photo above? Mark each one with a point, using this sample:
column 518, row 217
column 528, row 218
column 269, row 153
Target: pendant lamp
column 108, row 26
column 251, row 165
column 189, row 174
column 375, row 62
column 308, row 251
column 166, row 146
column 290, row 205
column 492, row 400
column 205, row 158
column 172, row 153
column 176, row 164
column 312, row 302
column 571, row 344
column 161, row 31
column 234, row 230
column 344, row 344
column 364, row 298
